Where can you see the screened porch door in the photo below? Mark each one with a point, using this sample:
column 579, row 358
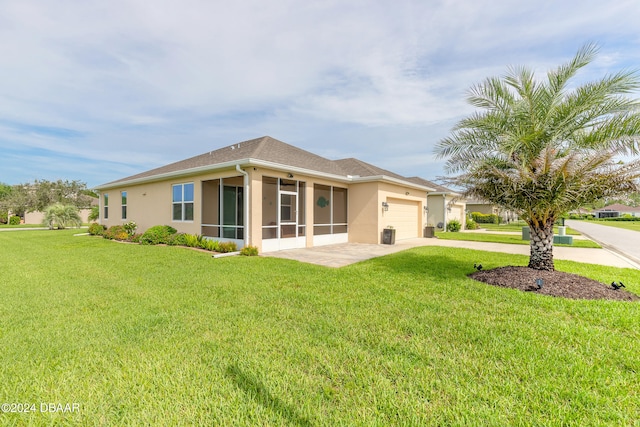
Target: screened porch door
column 283, row 219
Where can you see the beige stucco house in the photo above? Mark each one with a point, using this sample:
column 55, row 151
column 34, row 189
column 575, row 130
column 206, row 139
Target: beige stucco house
column 443, row 205
column 616, row 210
column 488, row 208
column 272, row 195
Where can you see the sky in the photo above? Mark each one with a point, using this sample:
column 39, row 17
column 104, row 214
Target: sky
column 95, row 90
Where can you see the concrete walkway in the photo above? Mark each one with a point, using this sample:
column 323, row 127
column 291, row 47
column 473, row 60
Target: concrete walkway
column 349, row 253
column 619, row 240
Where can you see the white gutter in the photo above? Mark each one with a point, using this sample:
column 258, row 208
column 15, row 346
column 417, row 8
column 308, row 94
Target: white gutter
column 246, row 205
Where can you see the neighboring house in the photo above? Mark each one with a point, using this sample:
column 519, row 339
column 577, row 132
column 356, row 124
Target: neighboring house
column 443, row 205
column 616, row 210
column 269, row 194
column 485, row 207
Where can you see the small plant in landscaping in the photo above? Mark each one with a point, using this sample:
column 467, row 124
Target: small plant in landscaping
column 191, row 240
column 454, row 225
column 96, row 229
column 471, row 225
column 14, row 220
column 130, row 227
column 210, row 245
column 249, row 251
column 225, row 247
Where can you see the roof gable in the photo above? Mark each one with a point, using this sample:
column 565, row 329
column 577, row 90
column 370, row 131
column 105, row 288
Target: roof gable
column 355, row 167
column 439, row 188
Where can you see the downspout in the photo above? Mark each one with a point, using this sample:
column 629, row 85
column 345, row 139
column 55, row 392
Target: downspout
column 246, row 205
column 444, row 211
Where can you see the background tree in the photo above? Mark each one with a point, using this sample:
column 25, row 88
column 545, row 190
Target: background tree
column 61, row 216
column 36, row 196
column 5, row 192
column 543, row 148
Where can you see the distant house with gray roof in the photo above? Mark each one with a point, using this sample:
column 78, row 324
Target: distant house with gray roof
column 616, row 210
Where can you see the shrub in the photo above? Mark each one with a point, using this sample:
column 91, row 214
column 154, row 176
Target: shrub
column 454, row 226
column 622, row 218
column 130, row 227
column 135, row 238
column 225, row 247
column 3, row 217
column 116, row 232
column 471, row 225
column 14, row 220
column 157, row 234
column 178, row 239
column 485, row 218
column 96, row 229
column 249, row 251
column 61, row 216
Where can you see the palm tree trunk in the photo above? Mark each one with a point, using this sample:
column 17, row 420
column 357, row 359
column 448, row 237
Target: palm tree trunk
column 541, row 245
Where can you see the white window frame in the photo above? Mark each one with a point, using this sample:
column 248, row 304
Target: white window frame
column 124, row 198
column 182, row 202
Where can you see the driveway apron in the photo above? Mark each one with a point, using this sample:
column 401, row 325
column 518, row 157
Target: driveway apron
column 624, row 242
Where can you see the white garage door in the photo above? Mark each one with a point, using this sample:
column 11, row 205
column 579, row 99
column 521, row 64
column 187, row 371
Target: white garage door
column 403, row 215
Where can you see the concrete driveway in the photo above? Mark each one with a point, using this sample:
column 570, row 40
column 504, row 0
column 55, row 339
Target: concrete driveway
column 624, row 242
column 350, row 253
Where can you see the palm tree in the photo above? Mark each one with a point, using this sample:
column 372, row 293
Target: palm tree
column 543, row 148
column 61, row 216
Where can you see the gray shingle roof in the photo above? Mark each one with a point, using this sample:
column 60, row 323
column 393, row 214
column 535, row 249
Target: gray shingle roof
column 439, row 188
column 357, row 167
column 267, row 149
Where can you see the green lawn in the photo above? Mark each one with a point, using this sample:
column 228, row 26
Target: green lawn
column 21, row 226
column 144, row 335
column 517, row 227
column 627, row 225
column 501, row 238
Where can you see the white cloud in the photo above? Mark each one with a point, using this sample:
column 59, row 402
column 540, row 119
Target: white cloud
column 152, row 82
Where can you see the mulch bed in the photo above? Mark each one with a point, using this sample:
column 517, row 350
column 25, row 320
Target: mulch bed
column 556, row 283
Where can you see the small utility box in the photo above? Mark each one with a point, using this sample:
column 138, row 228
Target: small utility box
column 565, row 240
column 389, row 236
column 526, row 233
column 562, row 231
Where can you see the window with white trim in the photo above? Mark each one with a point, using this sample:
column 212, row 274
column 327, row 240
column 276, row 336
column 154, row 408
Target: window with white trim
column 182, row 202
column 105, row 206
column 124, row 204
